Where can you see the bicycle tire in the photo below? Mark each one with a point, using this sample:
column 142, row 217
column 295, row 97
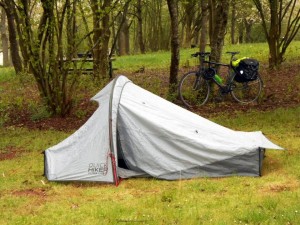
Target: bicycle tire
column 193, row 89
column 247, row 92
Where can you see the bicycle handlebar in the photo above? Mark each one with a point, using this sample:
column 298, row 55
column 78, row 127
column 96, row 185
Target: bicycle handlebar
column 202, row 54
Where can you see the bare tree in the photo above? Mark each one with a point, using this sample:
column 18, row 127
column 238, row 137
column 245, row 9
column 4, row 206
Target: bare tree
column 279, row 36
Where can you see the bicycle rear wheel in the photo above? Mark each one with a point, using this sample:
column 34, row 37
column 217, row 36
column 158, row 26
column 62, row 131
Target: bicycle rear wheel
column 247, row 92
column 193, row 90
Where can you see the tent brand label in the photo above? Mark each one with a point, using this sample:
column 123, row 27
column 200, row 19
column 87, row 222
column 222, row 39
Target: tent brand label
column 97, row 168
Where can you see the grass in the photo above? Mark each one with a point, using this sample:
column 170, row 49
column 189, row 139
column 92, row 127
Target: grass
column 161, row 60
column 27, row 198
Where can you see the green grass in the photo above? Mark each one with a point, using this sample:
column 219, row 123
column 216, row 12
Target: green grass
column 161, row 60
column 27, row 198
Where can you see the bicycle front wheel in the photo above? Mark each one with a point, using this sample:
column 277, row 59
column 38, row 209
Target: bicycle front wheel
column 247, row 92
column 193, row 90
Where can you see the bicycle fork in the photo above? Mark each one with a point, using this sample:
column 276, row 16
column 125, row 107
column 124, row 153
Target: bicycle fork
column 196, row 84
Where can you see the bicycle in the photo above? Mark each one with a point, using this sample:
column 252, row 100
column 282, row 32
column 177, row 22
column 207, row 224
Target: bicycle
column 194, row 87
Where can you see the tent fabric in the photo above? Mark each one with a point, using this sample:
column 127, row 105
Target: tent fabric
column 85, row 154
column 154, row 138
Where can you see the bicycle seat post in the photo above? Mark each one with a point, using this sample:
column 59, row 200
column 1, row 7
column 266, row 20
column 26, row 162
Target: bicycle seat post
column 232, row 55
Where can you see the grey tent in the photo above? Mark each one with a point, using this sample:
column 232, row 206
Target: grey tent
column 135, row 133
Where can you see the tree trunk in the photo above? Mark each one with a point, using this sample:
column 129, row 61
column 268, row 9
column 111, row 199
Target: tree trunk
column 273, row 34
column 211, row 18
column 204, row 22
column 123, row 39
column 121, row 42
column 219, row 28
column 101, row 38
column 280, row 11
column 189, row 11
column 241, row 33
column 6, row 59
column 105, row 35
column 233, row 20
column 12, row 34
column 154, row 33
column 173, row 10
column 140, row 26
column 248, row 28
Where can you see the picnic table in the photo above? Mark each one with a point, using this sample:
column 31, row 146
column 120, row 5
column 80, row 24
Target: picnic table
column 89, row 68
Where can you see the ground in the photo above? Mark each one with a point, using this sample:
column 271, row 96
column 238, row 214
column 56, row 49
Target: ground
column 281, row 89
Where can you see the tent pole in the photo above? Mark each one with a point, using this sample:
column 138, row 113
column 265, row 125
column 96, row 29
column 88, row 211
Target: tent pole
column 112, row 152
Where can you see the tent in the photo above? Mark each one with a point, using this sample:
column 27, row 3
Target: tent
column 134, row 133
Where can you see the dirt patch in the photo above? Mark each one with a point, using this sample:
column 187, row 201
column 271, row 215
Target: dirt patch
column 36, row 192
column 10, row 152
column 280, row 187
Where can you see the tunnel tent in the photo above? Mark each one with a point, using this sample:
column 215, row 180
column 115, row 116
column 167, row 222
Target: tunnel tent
column 136, row 133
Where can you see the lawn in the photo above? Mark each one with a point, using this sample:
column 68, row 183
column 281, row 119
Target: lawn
column 26, row 197
column 159, row 60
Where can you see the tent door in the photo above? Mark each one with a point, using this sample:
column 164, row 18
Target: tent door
column 121, row 161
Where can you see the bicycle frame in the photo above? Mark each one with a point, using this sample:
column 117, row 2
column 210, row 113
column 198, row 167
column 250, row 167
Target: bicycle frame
column 194, row 87
column 224, row 88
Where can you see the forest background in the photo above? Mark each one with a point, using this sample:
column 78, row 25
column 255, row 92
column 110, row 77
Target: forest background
column 44, row 98
column 44, row 36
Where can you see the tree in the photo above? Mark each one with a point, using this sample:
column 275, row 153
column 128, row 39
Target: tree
column 4, row 39
column 204, row 22
column 192, row 21
column 123, row 31
column 101, row 36
column 173, row 11
column 48, row 46
column 279, row 36
column 233, row 21
column 9, row 9
column 140, row 27
column 218, row 22
column 246, row 17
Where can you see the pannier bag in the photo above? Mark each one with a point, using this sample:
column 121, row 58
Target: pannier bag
column 246, row 69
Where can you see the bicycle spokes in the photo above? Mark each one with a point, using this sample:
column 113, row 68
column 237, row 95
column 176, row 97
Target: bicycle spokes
column 193, row 90
column 246, row 92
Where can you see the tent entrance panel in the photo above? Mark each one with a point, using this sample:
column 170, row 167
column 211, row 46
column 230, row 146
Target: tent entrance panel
column 123, row 170
column 85, row 155
column 121, row 161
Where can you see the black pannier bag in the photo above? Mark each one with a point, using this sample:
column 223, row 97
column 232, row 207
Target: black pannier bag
column 247, row 70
